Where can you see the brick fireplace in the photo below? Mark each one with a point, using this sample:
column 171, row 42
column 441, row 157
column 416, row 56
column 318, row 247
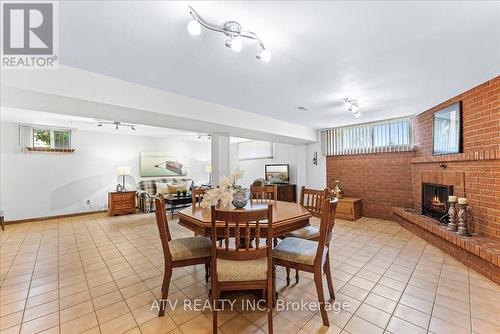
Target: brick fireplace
column 435, row 199
column 395, row 180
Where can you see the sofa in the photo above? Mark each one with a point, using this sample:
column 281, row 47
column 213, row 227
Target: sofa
column 146, row 191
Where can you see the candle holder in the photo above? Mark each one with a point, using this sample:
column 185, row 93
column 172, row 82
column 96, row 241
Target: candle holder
column 452, row 215
column 462, row 221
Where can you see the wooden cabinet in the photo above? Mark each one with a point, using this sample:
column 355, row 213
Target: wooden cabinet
column 287, row 192
column 121, row 202
column 349, row 208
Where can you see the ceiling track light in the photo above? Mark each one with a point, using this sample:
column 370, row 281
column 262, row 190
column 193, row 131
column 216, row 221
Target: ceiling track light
column 116, row 124
column 232, row 30
column 352, row 106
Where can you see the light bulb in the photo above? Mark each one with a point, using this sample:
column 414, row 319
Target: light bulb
column 347, row 105
column 236, row 44
column 354, row 108
column 265, row 55
column 194, row 28
column 357, row 114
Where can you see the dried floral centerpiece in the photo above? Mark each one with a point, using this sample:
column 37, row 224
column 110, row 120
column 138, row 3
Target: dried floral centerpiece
column 229, row 191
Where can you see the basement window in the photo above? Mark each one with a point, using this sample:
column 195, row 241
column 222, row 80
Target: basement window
column 392, row 135
column 43, row 139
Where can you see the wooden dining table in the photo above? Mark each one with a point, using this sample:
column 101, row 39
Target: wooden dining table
column 287, row 217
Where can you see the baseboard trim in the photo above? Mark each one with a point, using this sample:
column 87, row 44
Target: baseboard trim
column 68, row 215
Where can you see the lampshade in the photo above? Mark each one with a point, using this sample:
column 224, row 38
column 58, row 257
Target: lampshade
column 123, row 170
column 208, row 169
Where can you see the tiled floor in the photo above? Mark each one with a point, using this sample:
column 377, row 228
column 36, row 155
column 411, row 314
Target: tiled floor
column 98, row 274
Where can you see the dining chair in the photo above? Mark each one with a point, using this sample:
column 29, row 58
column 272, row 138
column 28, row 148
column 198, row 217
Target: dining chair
column 264, row 193
column 311, row 256
column 197, row 195
column 181, row 252
column 312, row 200
column 243, row 263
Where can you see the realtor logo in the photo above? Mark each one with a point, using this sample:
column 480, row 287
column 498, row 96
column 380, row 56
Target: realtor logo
column 29, row 32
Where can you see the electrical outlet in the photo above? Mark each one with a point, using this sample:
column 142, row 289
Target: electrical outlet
column 88, row 202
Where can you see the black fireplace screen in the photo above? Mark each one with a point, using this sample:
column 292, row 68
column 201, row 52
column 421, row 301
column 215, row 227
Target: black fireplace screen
column 435, row 199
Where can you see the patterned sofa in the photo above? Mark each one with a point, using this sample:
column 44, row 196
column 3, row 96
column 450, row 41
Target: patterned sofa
column 146, row 191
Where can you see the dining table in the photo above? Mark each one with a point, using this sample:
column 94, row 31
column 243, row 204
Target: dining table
column 287, row 217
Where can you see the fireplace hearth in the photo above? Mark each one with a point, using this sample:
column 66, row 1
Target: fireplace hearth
column 435, row 199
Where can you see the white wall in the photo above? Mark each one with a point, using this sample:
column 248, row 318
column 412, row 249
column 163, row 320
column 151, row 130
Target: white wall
column 294, row 155
column 315, row 174
column 46, row 184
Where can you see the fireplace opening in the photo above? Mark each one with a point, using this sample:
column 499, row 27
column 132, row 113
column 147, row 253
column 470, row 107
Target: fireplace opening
column 435, row 199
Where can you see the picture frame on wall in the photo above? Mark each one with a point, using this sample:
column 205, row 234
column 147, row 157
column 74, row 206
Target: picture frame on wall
column 155, row 164
column 447, row 130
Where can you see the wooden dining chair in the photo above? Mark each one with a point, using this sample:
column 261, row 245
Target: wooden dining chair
column 264, row 193
column 197, row 195
column 312, row 200
column 181, row 252
column 244, row 264
column 311, row 256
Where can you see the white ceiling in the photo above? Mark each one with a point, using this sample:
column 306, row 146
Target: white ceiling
column 35, row 117
column 395, row 58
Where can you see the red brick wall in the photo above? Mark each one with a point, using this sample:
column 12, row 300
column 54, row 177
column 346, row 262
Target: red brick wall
column 381, row 180
column 481, row 120
column 394, row 179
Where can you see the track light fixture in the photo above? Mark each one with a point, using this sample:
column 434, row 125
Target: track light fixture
column 116, row 124
column 232, row 30
column 352, row 106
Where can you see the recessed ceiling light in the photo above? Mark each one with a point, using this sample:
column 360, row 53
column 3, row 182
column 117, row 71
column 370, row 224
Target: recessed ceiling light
column 303, row 108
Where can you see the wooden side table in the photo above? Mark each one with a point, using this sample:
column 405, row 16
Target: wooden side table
column 349, row 208
column 121, row 202
column 2, row 220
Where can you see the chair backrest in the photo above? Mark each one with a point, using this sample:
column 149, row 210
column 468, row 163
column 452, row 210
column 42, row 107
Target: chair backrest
column 259, row 182
column 243, row 226
column 161, row 221
column 197, row 195
column 325, row 234
column 264, row 193
column 331, row 219
column 312, row 200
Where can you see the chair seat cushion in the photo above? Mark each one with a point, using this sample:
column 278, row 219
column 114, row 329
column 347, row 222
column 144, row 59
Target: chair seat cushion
column 190, row 248
column 298, row 250
column 308, row 233
column 252, row 270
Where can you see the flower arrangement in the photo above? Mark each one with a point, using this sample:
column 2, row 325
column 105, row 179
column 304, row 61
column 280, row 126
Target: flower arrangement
column 227, row 186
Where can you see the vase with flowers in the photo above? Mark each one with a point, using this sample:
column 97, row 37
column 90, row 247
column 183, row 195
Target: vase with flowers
column 229, row 191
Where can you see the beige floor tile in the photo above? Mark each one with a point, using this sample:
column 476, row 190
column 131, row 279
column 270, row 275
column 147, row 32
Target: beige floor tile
column 40, row 324
column 119, row 325
column 412, row 315
column 144, row 298
column 315, row 326
column 10, row 320
column 358, row 325
column 440, row 326
column 400, row 326
column 85, row 324
column 111, row 312
column 76, row 311
column 373, row 315
column 41, row 310
column 158, row 325
column 198, row 325
column 107, row 299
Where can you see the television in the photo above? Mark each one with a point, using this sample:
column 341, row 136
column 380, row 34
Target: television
column 277, row 173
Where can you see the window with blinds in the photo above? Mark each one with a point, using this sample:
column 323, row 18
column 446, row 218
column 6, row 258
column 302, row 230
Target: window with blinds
column 392, row 135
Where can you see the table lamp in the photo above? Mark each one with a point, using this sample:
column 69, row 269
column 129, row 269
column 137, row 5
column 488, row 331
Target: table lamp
column 123, row 171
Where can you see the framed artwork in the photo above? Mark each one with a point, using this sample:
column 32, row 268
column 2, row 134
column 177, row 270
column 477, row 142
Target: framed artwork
column 447, row 130
column 254, row 149
column 160, row 164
